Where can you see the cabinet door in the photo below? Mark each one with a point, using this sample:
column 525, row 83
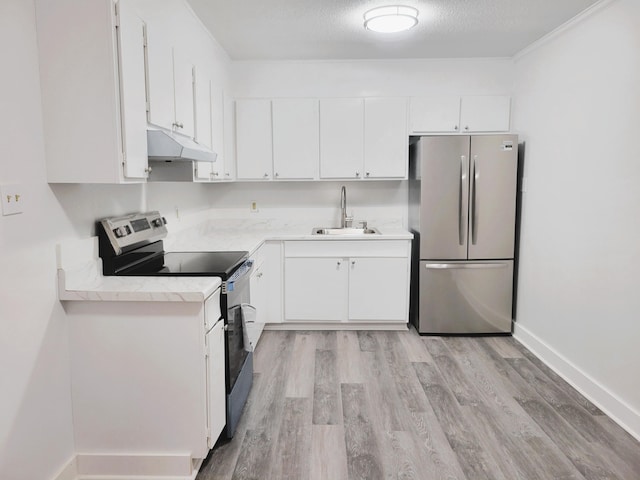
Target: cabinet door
column 254, row 144
column 159, row 79
column 273, row 278
column 132, row 93
column 386, row 143
column 434, row 114
column 183, row 71
column 258, row 285
column 202, row 87
column 217, row 123
column 296, row 143
column 229, row 135
column 315, row 289
column 341, row 137
column 378, row 289
column 216, row 404
column 489, row 113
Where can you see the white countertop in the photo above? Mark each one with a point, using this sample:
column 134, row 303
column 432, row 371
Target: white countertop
column 80, row 278
column 246, row 234
column 80, row 268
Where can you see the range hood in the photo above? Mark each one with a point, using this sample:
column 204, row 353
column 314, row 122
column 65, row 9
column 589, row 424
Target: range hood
column 163, row 146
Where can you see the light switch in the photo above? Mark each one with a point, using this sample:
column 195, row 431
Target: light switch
column 12, row 200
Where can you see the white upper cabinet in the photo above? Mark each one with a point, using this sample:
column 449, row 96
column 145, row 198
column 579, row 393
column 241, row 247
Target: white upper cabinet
column 160, row 90
column 132, row 36
column 454, row 114
column 203, row 109
column 92, row 82
column 434, row 114
column 183, row 77
column 386, row 143
column 341, row 137
column 254, row 139
column 296, row 143
column 228, row 147
column 204, row 133
column 170, row 86
column 490, row 113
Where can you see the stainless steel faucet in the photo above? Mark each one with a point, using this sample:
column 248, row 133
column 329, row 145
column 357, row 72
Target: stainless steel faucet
column 346, row 221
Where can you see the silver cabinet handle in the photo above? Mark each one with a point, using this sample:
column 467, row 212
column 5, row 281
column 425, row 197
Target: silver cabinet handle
column 467, row 127
column 178, row 124
column 474, row 201
column 357, row 174
column 455, row 127
column 266, row 175
column 353, row 262
column 460, row 188
column 277, row 174
column 339, row 263
column 215, row 174
column 463, row 266
column 148, row 170
column 366, row 174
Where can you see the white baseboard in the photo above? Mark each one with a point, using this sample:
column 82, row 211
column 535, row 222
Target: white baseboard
column 69, row 472
column 130, row 467
column 607, row 401
column 397, row 326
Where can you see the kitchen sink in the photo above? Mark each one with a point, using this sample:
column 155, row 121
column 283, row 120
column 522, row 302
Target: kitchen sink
column 345, row 231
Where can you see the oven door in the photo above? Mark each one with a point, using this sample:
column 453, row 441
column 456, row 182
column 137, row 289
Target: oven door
column 237, row 294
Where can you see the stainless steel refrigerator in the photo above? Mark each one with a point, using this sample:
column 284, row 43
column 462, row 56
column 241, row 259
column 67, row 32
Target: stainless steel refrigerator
column 462, row 211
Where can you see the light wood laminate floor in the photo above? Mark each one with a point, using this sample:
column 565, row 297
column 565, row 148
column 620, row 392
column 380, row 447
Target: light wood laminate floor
column 394, row 405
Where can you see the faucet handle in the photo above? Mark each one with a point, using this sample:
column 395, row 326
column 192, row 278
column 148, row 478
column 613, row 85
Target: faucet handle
column 363, row 224
column 348, row 221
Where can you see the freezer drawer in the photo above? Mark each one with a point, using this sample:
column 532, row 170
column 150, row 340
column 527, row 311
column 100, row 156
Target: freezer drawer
column 465, row 297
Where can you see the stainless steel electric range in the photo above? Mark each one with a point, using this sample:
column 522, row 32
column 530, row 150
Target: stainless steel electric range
column 132, row 245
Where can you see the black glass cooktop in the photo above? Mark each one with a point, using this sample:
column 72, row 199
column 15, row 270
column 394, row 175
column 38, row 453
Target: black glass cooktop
column 189, row 264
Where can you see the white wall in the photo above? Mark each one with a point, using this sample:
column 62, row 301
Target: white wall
column 372, row 78
column 577, row 107
column 35, row 414
column 36, row 438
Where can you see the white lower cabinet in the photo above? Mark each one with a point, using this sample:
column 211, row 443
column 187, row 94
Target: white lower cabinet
column 216, row 393
column 346, row 281
column 316, row 289
column 147, row 384
column 378, row 288
column 266, row 282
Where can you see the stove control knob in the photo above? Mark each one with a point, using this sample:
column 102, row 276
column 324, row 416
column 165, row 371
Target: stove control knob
column 157, row 222
column 120, row 232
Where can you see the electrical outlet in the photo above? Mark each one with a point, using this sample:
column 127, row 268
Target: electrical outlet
column 12, row 199
column 253, row 207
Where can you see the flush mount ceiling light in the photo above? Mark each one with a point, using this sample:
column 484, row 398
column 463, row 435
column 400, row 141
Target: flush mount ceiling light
column 392, row 19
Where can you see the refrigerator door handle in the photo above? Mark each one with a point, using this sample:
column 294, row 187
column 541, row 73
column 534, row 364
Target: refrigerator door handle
column 474, row 201
column 460, row 190
column 442, row 266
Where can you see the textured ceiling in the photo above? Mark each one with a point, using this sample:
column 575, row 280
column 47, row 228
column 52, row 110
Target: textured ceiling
column 332, row 29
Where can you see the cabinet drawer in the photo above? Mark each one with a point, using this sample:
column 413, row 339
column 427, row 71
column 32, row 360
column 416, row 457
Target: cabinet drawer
column 347, row 248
